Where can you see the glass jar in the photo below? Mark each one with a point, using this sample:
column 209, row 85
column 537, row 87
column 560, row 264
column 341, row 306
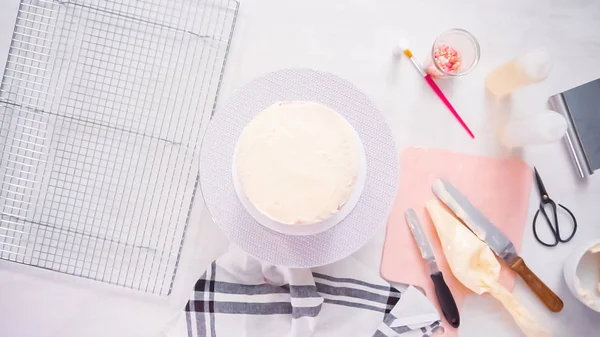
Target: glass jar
column 454, row 53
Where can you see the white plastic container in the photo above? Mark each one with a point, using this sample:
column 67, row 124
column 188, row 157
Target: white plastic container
column 534, row 129
column 525, row 69
column 582, row 274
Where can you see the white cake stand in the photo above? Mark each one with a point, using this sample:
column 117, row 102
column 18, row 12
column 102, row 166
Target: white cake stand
column 308, row 229
column 361, row 222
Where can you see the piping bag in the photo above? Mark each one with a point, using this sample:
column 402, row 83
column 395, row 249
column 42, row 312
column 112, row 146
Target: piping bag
column 475, row 266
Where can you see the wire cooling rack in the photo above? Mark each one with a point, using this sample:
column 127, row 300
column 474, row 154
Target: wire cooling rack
column 102, row 108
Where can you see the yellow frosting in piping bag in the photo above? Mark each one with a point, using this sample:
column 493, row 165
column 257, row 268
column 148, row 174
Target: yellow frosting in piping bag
column 475, row 266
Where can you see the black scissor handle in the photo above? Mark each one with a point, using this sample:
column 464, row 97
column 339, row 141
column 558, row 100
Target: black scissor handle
column 574, row 225
column 552, row 229
column 554, row 226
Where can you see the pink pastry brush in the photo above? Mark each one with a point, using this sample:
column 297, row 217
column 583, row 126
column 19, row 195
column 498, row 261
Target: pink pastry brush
column 403, row 47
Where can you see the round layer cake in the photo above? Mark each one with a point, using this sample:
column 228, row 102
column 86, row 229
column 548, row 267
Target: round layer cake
column 297, row 162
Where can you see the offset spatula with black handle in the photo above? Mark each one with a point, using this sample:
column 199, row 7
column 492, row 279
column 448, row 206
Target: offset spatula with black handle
column 442, row 291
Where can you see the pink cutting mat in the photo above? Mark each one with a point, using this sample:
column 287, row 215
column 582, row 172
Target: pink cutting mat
column 498, row 187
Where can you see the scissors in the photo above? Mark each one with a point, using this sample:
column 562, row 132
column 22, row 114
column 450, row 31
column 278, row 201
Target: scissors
column 554, row 227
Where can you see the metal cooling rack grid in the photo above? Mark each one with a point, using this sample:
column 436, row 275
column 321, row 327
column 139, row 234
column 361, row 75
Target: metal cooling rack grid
column 102, row 108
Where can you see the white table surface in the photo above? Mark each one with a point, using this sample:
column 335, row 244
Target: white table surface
column 354, row 39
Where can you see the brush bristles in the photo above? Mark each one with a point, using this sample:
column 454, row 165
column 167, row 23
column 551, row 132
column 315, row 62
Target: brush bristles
column 408, row 53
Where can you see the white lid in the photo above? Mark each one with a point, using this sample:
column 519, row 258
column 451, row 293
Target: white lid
column 535, row 65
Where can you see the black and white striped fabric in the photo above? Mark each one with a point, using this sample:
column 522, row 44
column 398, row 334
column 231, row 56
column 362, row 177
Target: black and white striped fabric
column 240, row 296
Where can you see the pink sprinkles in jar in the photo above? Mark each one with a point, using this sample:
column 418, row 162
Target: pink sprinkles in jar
column 447, row 59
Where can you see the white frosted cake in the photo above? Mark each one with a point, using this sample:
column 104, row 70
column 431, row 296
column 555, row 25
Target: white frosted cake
column 297, row 162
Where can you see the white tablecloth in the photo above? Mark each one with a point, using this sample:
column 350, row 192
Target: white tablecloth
column 354, row 39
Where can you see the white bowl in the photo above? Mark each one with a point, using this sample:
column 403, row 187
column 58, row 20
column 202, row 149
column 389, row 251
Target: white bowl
column 308, row 229
column 582, row 275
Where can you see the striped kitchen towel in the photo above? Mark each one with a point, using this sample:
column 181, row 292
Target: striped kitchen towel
column 239, row 296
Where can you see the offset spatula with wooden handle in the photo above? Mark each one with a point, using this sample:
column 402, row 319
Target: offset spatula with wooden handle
column 495, row 239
